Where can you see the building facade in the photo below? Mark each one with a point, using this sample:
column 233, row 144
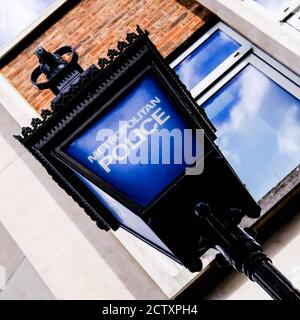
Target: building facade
column 240, row 60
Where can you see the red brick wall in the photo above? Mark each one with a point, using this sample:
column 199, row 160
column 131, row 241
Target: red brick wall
column 93, row 26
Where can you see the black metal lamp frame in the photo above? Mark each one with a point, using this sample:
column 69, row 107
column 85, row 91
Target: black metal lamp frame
column 171, row 215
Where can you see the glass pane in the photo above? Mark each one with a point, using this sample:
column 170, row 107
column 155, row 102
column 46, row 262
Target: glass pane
column 206, row 58
column 274, row 5
column 125, row 216
column 124, row 148
column 258, row 128
column 17, row 15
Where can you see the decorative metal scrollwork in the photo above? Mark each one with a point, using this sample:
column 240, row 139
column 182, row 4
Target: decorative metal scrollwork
column 77, row 83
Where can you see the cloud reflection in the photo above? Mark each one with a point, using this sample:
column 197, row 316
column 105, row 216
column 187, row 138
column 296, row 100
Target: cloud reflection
column 258, row 125
column 197, row 66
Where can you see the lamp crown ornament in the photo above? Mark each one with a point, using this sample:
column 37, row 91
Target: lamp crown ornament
column 59, row 72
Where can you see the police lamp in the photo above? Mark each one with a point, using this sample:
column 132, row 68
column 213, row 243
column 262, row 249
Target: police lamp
column 126, row 140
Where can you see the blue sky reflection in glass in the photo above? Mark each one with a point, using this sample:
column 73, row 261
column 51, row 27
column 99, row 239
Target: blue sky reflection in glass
column 206, row 58
column 125, row 216
column 144, row 106
column 258, row 128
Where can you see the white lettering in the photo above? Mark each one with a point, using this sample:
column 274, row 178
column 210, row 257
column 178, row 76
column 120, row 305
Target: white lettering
column 158, row 117
column 105, row 162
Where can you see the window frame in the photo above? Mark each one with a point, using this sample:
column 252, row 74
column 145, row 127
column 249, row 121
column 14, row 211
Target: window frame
column 274, row 197
column 258, row 61
column 273, row 69
column 224, row 66
column 291, row 10
column 10, row 45
column 295, row 15
column 267, row 65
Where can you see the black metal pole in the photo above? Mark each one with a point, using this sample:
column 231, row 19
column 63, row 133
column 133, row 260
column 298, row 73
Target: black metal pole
column 241, row 251
column 274, row 282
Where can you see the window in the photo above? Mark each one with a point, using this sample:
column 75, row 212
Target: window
column 294, row 19
column 221, row 43
column 257, row 115
column 277, row 6
column 19, row 18
column 255, row 106
column 286, row 10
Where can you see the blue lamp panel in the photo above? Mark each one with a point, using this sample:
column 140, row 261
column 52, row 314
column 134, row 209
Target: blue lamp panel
column 125, row 216
column 146, row 105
